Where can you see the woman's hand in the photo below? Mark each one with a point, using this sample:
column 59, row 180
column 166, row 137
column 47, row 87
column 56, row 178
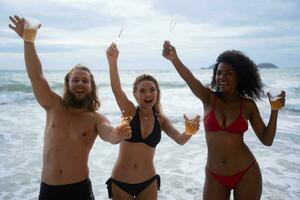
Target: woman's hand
column 112, row 53
column 169, row 51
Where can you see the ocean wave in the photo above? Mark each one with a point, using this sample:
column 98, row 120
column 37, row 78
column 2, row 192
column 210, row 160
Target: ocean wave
column 107, row 85
column 295, row 89
column 57, row 85
column 16, row 87
column 20, row 98
column 173, row 85
column 25, row 88
column 292, row 110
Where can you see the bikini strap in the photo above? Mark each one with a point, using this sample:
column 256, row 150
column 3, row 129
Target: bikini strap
column 158, row 181
column 109, row 187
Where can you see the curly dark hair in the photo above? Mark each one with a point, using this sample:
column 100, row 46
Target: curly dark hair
column 250, row 84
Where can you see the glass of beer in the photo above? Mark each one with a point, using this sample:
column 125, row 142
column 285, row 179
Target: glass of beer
column 191, row 124
column 31, row 27
column 275, row 100
column 126, row 119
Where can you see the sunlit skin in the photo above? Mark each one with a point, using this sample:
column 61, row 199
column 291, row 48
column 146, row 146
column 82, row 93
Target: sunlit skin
column 146, row 95
column 227, row 154
column 80, row 83
column 226, row 79
column 135, row 160
column 69, row 132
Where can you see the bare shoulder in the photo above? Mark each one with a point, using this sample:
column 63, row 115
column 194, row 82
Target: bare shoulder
column 249, row 103
column 209, row 101
column 162, row 119
column 249, row 107
column 100, row 118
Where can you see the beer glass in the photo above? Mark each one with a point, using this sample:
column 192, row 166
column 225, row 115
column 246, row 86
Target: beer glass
column 191, row 124
column 275, row 101
column 31, row 27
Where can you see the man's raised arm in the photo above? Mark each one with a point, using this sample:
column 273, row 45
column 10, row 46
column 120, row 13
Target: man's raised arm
column 41, row 89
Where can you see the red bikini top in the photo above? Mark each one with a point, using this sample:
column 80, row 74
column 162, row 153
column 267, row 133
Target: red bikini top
column 238, row 126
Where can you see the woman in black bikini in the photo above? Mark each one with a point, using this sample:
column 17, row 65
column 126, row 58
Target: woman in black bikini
column 134, row 175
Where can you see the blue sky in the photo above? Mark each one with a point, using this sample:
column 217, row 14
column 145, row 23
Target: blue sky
column 79, row 31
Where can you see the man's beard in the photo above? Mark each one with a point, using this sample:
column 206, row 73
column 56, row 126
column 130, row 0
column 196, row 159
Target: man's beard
column 71, row 100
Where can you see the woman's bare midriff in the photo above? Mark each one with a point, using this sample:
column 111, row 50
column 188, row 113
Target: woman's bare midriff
column 227, row 153
column 134, row 163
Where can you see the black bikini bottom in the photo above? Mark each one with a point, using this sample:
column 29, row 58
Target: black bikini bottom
column 75, row 191
column 132, row 189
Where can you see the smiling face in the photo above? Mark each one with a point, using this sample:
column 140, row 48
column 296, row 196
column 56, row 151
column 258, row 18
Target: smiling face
column 146, row 94
column 80, row 90
column 226, row 78
column 80, row 84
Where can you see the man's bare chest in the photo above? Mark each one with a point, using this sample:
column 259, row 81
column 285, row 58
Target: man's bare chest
column 67, row 127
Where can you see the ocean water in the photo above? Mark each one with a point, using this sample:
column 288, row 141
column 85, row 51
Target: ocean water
column 181, row 168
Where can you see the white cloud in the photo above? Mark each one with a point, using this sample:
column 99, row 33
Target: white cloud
column 86, row 27
column 114, row 8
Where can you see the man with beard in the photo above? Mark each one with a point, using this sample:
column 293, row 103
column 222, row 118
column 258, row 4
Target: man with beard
column 72, row 125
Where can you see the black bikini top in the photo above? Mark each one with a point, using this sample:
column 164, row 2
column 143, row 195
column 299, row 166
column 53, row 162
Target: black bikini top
column 153, row 138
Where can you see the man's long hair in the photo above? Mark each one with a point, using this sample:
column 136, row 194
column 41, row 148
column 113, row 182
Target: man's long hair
column 91, row 102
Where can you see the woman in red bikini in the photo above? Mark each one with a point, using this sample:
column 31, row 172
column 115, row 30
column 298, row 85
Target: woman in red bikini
column 228, row 106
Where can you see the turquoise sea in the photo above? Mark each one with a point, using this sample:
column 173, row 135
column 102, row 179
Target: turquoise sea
column 181, row 168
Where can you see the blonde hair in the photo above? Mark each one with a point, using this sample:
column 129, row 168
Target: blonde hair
column 146, row 77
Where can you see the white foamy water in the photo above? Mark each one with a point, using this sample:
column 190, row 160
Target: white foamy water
column 181, row 168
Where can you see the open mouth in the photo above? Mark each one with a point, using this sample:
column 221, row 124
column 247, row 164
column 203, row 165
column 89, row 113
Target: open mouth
column 148, row 100
column 79, row 91
column 223, row 84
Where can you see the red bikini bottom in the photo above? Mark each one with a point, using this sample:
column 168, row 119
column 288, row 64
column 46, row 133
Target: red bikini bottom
column 230, row 182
